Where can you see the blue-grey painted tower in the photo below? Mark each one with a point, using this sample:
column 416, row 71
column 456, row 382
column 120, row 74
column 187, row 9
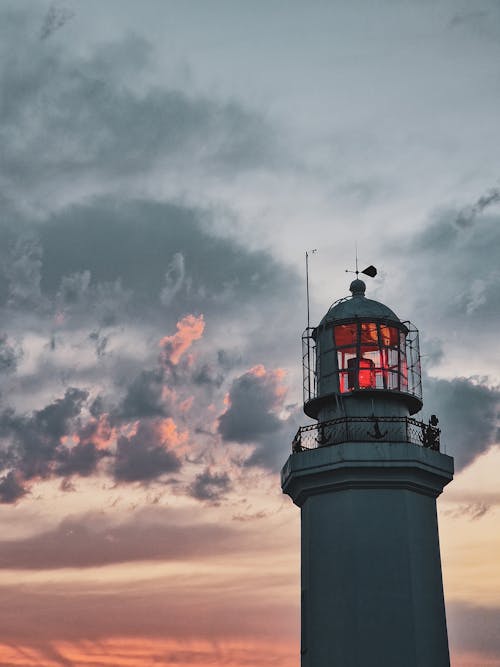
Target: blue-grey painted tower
column 366, row 477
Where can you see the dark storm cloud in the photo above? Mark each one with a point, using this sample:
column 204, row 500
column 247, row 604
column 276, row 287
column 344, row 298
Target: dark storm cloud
column 144, row 456
column 11, row 489
column 254, row 401
column 208, row 375
column 90, row 541
column 210, row 486
column 32, row 444
column 455, row 259
column 82, row 459
column 106, row 259
column 36, row 438
column 65, row 118
column 469, row 416
column 250, row 414
column 464, row 229
column 449, row 226
column 145, row 397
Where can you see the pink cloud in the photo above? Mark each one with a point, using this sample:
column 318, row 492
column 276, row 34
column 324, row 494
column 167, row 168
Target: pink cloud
column 189, row 329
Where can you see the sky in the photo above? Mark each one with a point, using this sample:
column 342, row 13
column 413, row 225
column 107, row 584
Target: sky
column 164, row 166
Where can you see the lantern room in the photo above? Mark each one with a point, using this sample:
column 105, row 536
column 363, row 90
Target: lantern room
column 361, row 357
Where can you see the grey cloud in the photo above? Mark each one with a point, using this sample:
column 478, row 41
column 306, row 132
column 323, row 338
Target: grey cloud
column 228, row 359
column 468, row 413
column 273, row 450
column 110, row 254
column 472, row 511
column 56, row 17
column 82, row 459
column 433, row 352
column 145, row 397
column 101, row 342
column 143, row 457
column 207, row 374
column 9, row 355
column 32, row 443
column 11, row 489
column 445, row 233
column 452, row 226
column 210, row 486
column 450, row 278
column 54, row 418
column 473, row 628
column 251, row 418
column 174, row 279
column 22, row 271
column 467, row 216
column 91, row 540
column 73, row 288
column 450, row 271
column 250, row 414
column 66, row 117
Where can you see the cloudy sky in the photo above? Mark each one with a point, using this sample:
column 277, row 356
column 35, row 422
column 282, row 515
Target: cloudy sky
column 163, row 167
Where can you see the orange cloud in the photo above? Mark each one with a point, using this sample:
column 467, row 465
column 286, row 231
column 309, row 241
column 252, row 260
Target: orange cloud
column 189, row 329
column 259, row 371
column 150, row 652
column 186, row 404
column 99, row 432
column 169, row 434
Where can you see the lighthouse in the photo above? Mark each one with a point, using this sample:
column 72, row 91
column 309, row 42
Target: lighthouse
column 366, row 475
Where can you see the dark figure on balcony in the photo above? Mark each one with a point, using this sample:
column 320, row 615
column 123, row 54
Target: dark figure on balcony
column 297, row 443
column 431, row 434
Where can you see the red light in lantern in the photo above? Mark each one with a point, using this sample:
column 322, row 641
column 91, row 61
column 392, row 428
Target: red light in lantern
column 366, row 374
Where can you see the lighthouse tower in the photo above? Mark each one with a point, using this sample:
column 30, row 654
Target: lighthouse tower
column 366, row 476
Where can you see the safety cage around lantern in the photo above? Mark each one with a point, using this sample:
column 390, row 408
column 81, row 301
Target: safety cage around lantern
column 361, row 355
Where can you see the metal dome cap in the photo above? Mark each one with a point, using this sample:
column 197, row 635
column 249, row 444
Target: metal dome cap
column 358, row 306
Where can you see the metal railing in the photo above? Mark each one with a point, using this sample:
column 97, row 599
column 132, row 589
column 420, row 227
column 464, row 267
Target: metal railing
column 366, row 429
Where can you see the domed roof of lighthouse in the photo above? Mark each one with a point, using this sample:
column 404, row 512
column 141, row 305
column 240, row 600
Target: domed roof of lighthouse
column 358, row 306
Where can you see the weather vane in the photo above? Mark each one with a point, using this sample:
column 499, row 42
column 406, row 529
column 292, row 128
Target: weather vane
column 370, row 271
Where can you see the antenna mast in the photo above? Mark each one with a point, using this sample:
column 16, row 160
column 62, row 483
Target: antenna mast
column 307, row 285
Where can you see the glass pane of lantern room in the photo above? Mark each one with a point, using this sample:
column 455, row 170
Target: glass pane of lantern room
column 389, row 335
column 346, row 335
column 369, row 335
column 403, row 366
column 369, row 351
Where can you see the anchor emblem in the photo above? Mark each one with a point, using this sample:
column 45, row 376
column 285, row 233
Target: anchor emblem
column 377, row 433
